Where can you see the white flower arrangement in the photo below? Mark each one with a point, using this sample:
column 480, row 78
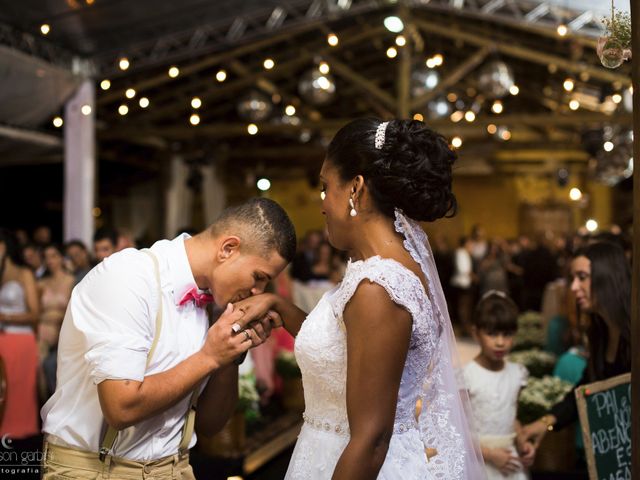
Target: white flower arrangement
column 248, row 397
column 530, row 332
column 540, row 395
column 538, row 362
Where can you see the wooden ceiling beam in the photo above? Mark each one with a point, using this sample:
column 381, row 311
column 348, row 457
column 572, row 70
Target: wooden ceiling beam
column 523, row 52
column 330, row 126
column 210, row 61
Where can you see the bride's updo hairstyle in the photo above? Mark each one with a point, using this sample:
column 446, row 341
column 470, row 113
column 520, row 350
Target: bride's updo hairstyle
column 411, row 171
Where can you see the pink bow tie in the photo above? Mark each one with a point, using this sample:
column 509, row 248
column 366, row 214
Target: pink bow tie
column 201, row 299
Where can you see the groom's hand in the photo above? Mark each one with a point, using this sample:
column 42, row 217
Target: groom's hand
column 228, row 338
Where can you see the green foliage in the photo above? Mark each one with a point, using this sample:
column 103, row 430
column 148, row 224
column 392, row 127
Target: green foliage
column 619, row 28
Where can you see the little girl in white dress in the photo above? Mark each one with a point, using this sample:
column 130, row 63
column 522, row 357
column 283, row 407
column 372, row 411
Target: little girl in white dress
column 494, row 386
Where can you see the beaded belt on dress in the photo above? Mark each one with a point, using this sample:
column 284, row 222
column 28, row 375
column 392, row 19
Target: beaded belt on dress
column 343, row 428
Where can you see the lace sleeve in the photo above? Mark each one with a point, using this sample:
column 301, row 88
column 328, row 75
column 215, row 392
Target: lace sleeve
column 403, row 288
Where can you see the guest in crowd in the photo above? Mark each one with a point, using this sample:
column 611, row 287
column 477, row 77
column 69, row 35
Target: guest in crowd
column 306, row 256
column 19, row 313
column 42, row 235
column 32, row 255
column 55, row 291
column 81, row 263
column 462, row 283
column 105, row 242
column 126, row 239
column 601, row 283
column 492, row 270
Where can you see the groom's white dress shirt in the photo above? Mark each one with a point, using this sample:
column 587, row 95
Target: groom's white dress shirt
column 106, row 334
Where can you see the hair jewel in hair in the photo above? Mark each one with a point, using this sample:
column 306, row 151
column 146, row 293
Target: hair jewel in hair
column 380, row 133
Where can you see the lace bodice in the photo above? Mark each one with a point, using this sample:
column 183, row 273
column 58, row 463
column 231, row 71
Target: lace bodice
column 321, row 344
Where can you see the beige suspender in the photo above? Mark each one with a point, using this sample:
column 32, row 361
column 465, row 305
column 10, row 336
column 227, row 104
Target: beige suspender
column 187, row 431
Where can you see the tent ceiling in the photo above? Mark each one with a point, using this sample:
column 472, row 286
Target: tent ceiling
column 202, row 37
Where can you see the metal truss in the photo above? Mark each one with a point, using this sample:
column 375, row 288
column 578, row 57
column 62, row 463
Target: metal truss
column 218, row 36
column 36, row 47
column 545, row 13
column 292, row 14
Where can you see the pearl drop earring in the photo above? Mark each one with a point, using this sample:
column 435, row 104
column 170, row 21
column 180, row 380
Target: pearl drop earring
column 353, row 212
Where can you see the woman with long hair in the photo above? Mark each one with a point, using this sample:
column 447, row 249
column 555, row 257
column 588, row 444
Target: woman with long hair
column 55, row 291
column 601, row 284
column 19, row 313
column 380, row 343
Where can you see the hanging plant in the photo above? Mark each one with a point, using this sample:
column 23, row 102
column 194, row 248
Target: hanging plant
column 615, row 47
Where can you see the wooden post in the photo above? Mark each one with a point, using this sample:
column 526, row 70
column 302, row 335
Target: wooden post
column 635, row 272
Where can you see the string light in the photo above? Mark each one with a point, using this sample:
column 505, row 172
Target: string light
column 123, row 63
column 58, row 122
column 252, row 129
column 130, row 93
column 430, row 63
column 452, row 97
column 497, row 107
column 194, row 119
column 263, row 184
column 393, row 24
column 505, row 135
column 492, row 129
column 514, row 90
column 401, row 41
column 392, row 52
column 562, row 30
column 268, row 64
column 86, row 110
column 123, row 109
column 221, row 76
column 574, row 104
column 568, row 84
column 196, row 103
column 323, row 68
column 419, row 117
column 608, row 146
column 616, row 97
column 290, row 110
column 469, row 116
column 457, row 116
column 45, row 28
column 174, row 72
column 332, row 39
column 575, row 194
column 456, row 142
column 591, row 225
column 143, row 102
column 438, row 59
column 105, row 84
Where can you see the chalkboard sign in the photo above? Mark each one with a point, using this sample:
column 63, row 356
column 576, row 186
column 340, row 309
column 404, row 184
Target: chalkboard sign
column 605, row 417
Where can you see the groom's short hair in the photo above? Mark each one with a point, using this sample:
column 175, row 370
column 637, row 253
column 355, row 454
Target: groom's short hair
column 260, row 223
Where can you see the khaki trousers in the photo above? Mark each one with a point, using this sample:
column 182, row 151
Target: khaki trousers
column 61, row 463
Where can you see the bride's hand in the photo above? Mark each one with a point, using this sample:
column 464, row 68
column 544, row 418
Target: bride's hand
column 257, row 307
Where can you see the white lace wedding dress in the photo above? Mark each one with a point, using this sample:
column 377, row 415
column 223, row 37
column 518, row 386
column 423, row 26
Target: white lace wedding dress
column 321, row 353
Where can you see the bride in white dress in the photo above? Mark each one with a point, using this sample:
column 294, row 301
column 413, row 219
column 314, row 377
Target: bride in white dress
column 376, row 354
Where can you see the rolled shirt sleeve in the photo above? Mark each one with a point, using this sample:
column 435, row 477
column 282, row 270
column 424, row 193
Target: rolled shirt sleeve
column 115, row 310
